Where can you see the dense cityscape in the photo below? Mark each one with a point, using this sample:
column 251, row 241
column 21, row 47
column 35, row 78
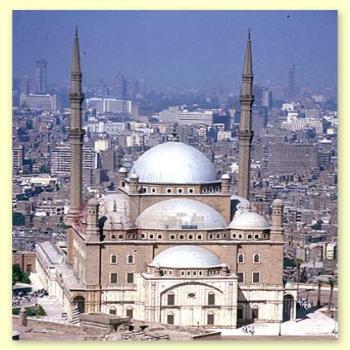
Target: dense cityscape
column 294, row 158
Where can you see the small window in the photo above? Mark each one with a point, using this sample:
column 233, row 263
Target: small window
column 211, row 236
column 168, row 190
column 151, row 236
column 182, row 273
column 191, row 295
column 257, row 236
column 190, row 236
column 194, row 273
column 204, row 190
column 120, row 236
column 170, row 319
column 211, row 189
column 233, row 235
column 153, row 190
column 181, row 236
column 190, row 190
column 113, row 259
column 130, row 259
column 172, row 236
column 143, row 235
column 171, row 299
column 217, row 189
column 256, row 277
column 240, row 258
column 188, row 273
column 240, row 236
column 113, row 278
column 250, row 236
column 256, row 258
column 200, row 273
column 211, row 298
column 130, row 313
column 112, row 310
column 123, row 183
column 159, row 236
column 113, row 236
column 240, row 276
column 210, row 319
column 199, row 236
column 218, row 236
column 130, row 277
column 180, row 190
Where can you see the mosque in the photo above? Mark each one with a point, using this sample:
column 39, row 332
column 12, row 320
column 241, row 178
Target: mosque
column 169, row 245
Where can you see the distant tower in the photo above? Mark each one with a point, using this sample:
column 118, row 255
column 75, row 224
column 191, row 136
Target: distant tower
column 76, row 135
column 41, row 77
column 245, row 134
column 291, row 82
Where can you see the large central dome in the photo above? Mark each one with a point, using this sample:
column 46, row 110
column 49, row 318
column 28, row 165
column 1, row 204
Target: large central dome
column 174, row 163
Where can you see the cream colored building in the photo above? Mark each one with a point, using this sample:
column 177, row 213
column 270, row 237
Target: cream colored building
column 171, row 245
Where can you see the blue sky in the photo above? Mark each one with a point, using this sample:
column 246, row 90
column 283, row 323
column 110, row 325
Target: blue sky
column 181, row 48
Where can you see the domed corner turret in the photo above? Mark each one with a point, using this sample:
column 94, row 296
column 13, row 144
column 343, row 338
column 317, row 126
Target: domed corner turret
column 92, row 213
column 225, row 183
column 122, row 174
column 277, row 220
column 133, row 183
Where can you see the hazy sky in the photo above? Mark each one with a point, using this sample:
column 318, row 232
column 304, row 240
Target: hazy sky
column 181, row 48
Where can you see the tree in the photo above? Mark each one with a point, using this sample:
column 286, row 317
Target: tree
column 18, row 275
column 331, row 283
column 319, row 284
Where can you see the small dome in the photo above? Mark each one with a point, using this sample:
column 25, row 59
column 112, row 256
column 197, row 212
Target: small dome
column 246, row 219
column 133, row 176
column 93, row 202
column 186, row 256
column 122, row 170
column 174, row 163
column 277, row 203
column 225, row 177
column 180, row 213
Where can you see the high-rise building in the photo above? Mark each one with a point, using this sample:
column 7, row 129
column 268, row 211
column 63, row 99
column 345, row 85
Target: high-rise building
column 119, row 87
column 41, row 76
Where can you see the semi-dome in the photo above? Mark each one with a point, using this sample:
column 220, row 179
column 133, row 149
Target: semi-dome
column 246, row 219
column 180, row 213
column 186, row 256
column 174, row 163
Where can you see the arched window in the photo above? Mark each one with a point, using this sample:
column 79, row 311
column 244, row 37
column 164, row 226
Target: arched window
column 79, row 301
column 114, row 259
column 256, row 258
column 130, row 259
column 113, row 310
column 240, row 258
column 129, row 312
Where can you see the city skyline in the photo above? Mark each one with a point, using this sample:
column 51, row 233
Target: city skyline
column 144, row 44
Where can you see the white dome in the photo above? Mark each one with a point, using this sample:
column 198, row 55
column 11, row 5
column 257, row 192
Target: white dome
column 180, row 213
column 246, row 219
column 174, row 163
column 186, row 256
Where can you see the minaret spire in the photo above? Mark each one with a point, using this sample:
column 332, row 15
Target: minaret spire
column 245, row 135
column 76, row 135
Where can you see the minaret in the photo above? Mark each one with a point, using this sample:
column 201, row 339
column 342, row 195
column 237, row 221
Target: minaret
column 245, row 134
column 76, row 135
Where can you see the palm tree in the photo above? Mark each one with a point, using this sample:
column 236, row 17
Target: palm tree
column 319, row 284
column 331, row 283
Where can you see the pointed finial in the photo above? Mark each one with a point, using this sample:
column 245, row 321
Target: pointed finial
column 76, row 31
column 249, row 34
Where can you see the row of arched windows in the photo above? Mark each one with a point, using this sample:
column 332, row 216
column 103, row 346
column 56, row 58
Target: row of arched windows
column 256, row 258
column 130, row 259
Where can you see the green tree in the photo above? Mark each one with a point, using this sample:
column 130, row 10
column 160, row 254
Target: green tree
column 18, row 275
column 331, row 283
